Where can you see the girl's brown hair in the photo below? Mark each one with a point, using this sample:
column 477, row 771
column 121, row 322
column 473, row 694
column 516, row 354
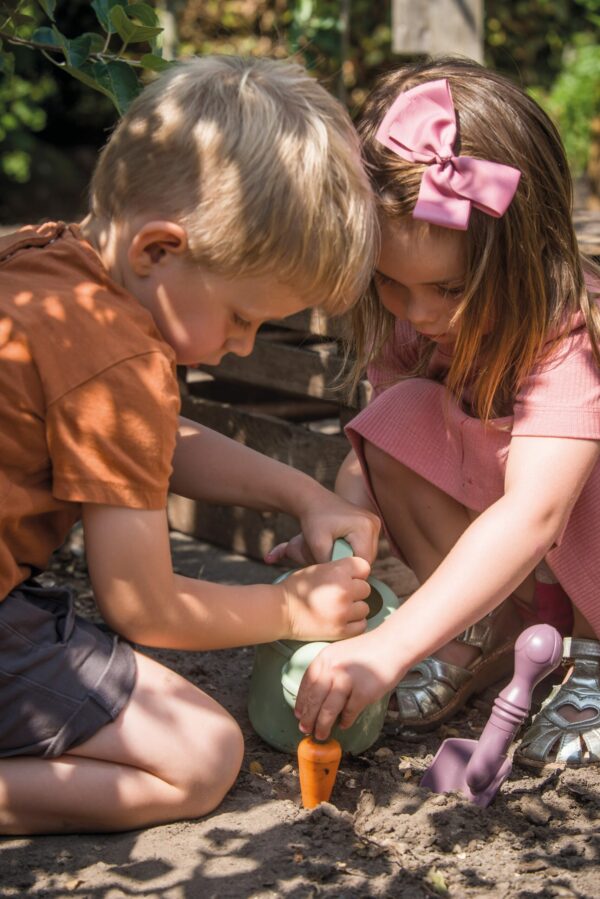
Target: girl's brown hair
column 524, row 273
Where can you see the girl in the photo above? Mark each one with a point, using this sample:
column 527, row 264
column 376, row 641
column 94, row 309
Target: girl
column 480, row 449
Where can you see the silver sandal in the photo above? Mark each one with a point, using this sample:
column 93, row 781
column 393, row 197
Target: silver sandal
column 551, row 741
column 433, row 690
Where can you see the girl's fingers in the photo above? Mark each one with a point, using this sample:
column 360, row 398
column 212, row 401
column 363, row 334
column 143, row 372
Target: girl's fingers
column 329, row 711
column 350, row 712
column 274, row 555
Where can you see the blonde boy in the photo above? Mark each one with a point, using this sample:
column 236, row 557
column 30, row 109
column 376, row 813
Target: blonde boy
column 231, row 193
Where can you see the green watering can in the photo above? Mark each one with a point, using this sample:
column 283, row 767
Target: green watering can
column 280, row 666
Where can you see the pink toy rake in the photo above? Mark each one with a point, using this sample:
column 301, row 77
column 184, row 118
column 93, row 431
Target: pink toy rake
column 478, row 768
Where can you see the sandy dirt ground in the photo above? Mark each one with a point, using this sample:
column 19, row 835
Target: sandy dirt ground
column 381, row 835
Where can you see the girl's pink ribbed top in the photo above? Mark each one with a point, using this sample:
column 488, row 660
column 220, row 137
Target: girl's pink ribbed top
column 418, row 423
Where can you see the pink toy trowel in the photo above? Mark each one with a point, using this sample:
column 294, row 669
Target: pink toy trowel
column 478, row 768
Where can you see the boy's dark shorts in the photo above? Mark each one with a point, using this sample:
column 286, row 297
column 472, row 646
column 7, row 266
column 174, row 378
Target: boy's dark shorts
column 61, row 677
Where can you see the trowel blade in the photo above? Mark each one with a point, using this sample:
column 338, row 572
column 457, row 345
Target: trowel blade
column 447, row 772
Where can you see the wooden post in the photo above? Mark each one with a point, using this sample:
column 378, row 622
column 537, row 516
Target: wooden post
column 438, row 27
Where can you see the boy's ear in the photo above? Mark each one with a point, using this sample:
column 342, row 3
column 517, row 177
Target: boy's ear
column 152, row 243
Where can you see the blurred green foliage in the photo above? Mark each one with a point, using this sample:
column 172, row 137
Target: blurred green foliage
column 111, row 46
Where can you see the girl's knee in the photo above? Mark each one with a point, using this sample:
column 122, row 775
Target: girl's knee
column 382, row 467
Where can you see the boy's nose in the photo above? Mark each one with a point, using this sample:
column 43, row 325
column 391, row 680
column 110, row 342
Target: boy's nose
column 242, row 346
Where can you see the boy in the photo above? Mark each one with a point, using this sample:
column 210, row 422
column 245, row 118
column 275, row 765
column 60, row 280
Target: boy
column 231, row 193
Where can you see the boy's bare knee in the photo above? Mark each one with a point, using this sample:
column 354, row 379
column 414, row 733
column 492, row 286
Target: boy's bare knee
column 218, row 765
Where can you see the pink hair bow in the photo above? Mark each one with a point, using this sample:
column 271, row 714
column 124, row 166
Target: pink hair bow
column 420, row 126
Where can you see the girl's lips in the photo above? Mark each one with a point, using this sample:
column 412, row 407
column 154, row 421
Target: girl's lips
column 432, row 336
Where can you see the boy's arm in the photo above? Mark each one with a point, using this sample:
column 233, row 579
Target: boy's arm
column 140, row 597
column 211, row 467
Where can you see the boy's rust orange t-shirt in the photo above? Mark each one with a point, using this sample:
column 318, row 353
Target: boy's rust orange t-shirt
column 88, row 396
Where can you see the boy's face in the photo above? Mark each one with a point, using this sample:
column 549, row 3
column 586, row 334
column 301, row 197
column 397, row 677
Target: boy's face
column 203, row 315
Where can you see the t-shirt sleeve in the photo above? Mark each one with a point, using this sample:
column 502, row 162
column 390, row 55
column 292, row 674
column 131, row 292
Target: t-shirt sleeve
column 111, row 439
column 561, row 397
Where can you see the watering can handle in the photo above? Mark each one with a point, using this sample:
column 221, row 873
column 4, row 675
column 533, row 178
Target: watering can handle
column 341, row 550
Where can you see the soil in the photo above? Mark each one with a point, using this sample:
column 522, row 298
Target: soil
column 381, row 834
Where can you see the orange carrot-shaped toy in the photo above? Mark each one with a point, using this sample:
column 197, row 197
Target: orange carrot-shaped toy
column 318, row 764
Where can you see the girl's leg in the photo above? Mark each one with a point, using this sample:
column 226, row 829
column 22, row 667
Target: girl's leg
column 172, row 753
column 425, row 524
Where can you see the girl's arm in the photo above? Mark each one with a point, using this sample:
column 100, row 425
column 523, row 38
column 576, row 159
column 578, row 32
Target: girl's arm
column 350, row 482
column 544, row 478
column 140, row 597
column 211, row 467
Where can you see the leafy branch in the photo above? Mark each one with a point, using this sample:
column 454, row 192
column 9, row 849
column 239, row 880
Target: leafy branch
column 102, row 60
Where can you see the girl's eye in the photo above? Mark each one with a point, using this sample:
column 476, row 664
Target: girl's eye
column 383, row 280
column 452, row 293
column 240, row 322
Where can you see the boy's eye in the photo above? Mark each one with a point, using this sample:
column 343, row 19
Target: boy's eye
column 240, row 322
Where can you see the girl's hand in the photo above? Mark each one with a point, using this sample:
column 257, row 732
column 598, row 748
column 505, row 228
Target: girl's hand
column 327, row 602
column 343, row 679
column 323, row 522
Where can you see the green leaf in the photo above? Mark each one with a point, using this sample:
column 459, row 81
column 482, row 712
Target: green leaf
column 144, row 13
column 48, row 6
column 78, row 50
column 128, row 31
column 123, row 82
column 47, row 37
column 96, row 41
column 155, row 63
column 102, row 9
column 116, row 80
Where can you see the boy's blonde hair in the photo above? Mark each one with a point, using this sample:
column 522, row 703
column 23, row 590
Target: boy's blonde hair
column 259, row 163
column 524, row 278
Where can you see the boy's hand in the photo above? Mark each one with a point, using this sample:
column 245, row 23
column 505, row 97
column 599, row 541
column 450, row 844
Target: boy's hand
column 327, row 602
column 323, row 522
column 343, row 679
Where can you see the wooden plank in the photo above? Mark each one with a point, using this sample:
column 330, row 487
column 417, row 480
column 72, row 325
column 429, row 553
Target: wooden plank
column 438, row 27
column 587, row 229
column 245, row 530
column 298, row 371
column 313, row 321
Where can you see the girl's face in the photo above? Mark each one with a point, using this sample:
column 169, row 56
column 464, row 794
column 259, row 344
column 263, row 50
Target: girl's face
column 420, row 276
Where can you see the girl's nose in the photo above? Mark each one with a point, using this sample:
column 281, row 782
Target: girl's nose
column 418, row 314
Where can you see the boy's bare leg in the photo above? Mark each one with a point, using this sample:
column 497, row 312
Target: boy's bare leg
column 172, row 753
column 425, row 523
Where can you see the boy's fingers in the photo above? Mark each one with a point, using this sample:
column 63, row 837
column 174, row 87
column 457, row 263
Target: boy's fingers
column 361, row 590
column 355, row 566
column 355, row 628
column 359, row 611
